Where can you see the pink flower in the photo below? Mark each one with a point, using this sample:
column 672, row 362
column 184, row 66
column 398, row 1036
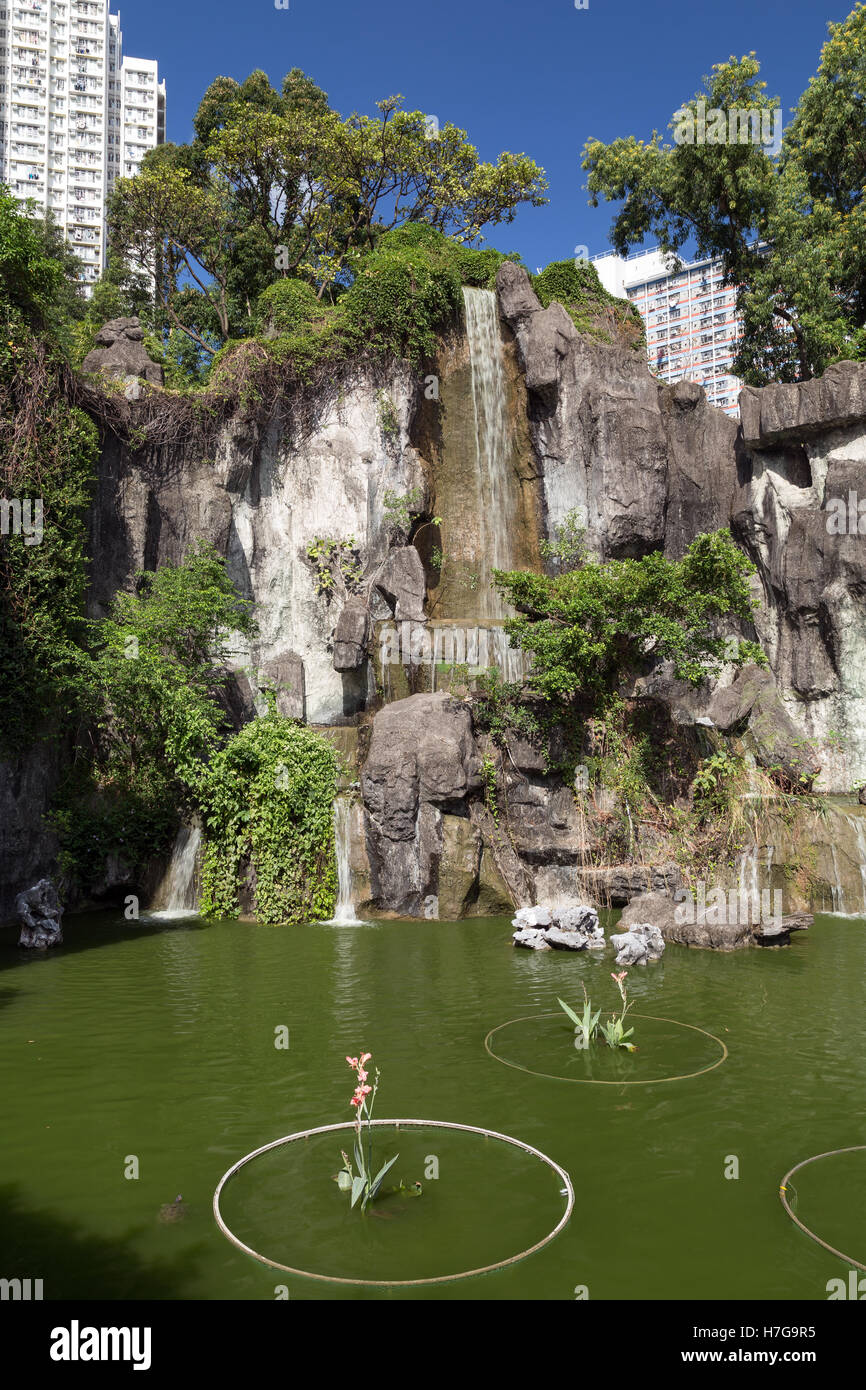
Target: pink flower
column 361, row 1092
column 365, row 1057
column 353, row 1062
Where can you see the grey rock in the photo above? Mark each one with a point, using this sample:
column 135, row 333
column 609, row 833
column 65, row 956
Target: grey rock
column 780, row 413
column 421, row 762
column 562, row 940
column 671, row 918
column 582, row 918
column 608, row 885
column 779, row 745
column 563, row 927
column 535, row 917
column 517, row 298
column 28, row 849
column 403, row 584
column 120, row 351
column 284, row 674
column 641, row 943
column 352, row 636
column 544, row 336
column 40, row 915
column 531, row 940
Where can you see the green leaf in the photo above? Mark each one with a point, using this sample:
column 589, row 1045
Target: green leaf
column 377, row 1181
column 344, row 1181
column 572, row 1015
column 358, row 1185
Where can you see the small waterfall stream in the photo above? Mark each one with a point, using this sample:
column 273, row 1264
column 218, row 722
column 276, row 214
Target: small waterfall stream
column 344, row 912
column 177, row 892
column 858, row 825
column 490, row 403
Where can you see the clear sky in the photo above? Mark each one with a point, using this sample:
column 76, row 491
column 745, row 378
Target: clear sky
column 539, row 77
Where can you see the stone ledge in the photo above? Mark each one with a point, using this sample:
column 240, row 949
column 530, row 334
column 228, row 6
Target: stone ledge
column 781, row 414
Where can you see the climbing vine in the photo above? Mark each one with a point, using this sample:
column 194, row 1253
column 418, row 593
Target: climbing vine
column 268, row 811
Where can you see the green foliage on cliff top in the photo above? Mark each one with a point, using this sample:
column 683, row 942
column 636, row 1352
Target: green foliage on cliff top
column 277, row 182
column 575, row 285
column 404, row 295
column 268, row 805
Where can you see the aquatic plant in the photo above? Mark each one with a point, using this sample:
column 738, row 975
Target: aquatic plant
column 585, row 1024
column 615, row 1032
column 361, row 1185
column 588, row 1025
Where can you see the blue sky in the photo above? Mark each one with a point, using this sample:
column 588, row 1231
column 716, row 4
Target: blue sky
column 536, row 77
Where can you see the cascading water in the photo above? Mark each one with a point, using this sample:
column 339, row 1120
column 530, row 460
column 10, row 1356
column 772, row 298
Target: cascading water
column 344, row 912
column 747, row 879
column 490, row 404
column 837, row 890
column 177, row 892
column 858, row 825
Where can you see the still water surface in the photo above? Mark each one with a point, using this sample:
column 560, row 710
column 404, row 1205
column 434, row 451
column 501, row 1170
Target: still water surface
column 156, row 1040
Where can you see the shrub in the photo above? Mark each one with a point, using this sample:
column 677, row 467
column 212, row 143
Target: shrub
column 576, row 286
column 401, row 299
column 588, row 628
column 288, row 305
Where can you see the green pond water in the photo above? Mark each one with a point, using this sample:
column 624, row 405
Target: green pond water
column 157, row 1040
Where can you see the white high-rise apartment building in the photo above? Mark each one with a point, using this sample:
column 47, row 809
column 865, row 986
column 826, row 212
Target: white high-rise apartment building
column 75, row 114
column 690, row 316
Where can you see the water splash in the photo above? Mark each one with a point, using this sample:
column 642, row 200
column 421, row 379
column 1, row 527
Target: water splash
column 177, row 891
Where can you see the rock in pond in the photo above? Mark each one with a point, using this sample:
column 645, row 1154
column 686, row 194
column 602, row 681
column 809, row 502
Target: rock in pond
column 530, row 938
column 641, row 943
column 40, row 914
column 565, row 928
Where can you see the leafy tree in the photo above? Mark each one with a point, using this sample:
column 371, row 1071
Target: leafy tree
column 48, row 450
column 159, row 668
column 152, row 717
column 589, row 627
column 790, row 230
column 567, row 551
column 279, row 183
column 37, row 270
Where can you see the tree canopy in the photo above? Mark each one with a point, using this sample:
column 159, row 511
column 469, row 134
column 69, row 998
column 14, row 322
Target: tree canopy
column 37, row 270
column 789, row 224
column 278, row 183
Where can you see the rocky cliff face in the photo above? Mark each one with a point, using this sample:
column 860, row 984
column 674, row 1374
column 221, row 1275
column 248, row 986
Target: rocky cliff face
column 580, row 424
column 650, row 466
column 262, row 500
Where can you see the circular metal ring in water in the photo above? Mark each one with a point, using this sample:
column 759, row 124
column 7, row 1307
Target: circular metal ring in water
column 831, row 1153
column 595, row 1081
column 568, row 1193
